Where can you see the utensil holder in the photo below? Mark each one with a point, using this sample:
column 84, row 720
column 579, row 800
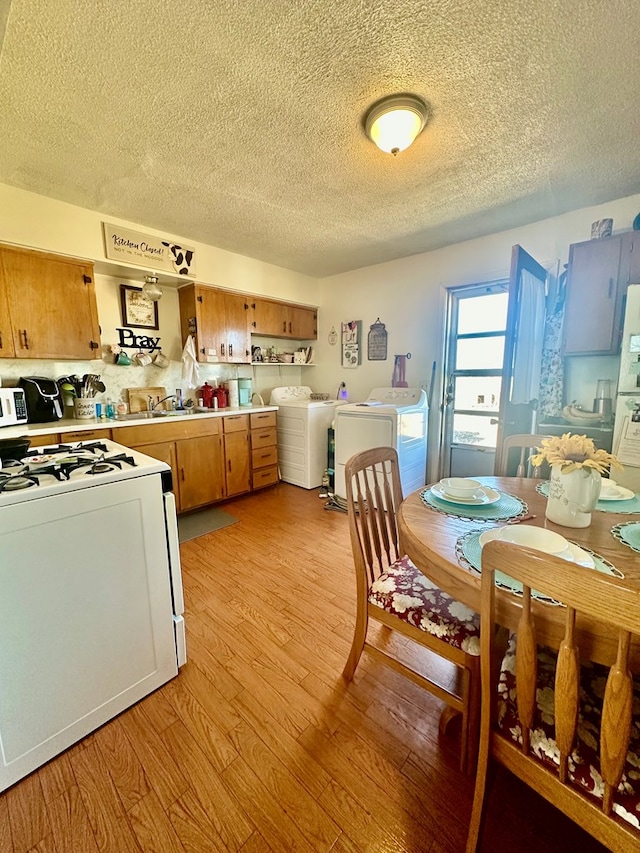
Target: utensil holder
column 84, row 408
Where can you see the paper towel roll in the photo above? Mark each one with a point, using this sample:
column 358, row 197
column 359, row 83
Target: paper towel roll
column 234, row 400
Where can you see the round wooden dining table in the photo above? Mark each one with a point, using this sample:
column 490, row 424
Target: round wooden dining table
column 431, row 537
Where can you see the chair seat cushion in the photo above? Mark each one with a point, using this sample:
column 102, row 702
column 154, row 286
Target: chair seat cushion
column 584, row 762
column 403, row 591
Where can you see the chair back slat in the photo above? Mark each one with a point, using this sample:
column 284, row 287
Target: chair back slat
column 526, row 669
column 616, row 721
column 584, row 593
column 373, row 497
column 527, row 444
column 567, row 692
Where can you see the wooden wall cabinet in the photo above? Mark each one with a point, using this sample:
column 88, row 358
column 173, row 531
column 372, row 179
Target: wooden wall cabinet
column 236, row 454
column 219, row 320
column 47, row 306
column 273, row 319
column 264, row 449
column 597, row 278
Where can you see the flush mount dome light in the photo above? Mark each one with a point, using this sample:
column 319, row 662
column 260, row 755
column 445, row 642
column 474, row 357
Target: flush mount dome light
column 394, row 122
column 150, row 288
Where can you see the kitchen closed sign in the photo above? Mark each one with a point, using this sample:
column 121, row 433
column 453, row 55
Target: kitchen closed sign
column 121, row 244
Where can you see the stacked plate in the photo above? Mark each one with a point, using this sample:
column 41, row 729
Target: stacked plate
column 611, row 491
column 464, row 491
column 540, row 539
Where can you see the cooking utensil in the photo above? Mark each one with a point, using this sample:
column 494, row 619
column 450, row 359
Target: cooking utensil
column 14, row 448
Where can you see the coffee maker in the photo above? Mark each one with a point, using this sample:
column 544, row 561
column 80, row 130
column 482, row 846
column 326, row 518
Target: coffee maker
column 43, row 397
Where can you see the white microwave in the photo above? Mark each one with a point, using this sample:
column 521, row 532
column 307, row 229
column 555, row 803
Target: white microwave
column 13, row 406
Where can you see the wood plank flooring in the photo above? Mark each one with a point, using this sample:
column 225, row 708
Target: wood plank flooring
column 259, row 745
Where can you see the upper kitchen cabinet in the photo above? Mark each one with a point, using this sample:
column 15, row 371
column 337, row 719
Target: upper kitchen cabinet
column 596, row 281
column 274, row 319
column 47, row 306
column 218, row 320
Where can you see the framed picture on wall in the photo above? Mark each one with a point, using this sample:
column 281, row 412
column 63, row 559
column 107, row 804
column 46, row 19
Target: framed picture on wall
column 138, row 311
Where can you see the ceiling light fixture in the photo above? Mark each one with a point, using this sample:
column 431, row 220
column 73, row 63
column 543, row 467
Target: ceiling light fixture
column 394, row 122
column 150, row 288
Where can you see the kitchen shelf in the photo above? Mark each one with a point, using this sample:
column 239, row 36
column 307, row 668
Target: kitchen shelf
column 280, row 364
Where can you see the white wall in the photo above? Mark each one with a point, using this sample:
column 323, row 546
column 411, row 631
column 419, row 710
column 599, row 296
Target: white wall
column 408, row 295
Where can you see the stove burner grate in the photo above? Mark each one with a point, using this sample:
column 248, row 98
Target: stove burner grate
column 15, row 482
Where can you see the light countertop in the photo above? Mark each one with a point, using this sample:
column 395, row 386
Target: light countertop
column 88, row 424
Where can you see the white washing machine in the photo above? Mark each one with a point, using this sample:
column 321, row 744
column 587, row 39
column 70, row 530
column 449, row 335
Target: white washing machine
column 390, row 417
column 302, row 434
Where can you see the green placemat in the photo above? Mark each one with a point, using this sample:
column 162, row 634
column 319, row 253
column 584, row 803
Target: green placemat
column 508, row 506
column 469, row 550
column 621, row 507
column 628, row 533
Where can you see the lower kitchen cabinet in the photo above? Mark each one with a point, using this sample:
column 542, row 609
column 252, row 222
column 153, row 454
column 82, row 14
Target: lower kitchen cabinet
column 236, row 454
column 264, row 450
column 193, row 449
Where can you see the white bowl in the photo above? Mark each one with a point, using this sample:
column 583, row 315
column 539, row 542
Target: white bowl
column 460, row 487
column 535, row 537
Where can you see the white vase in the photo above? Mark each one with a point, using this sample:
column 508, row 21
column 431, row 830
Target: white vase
column 572, row 496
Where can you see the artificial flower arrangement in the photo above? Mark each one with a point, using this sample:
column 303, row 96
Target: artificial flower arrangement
column 572, row 452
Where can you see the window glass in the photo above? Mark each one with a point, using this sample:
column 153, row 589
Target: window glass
column 475, row 429
column 481, row 393
column 480, row 353
column 485, row 313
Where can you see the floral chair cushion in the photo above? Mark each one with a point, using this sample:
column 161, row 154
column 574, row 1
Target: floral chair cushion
column 584, row 762
column 403, row 591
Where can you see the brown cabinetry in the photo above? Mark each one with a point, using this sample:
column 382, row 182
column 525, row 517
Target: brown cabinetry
column 236, row 454
column 598, row 274
column 47, row 306
column 283, row 320
column 264, row 449
column 219, row 321
column 194, row 451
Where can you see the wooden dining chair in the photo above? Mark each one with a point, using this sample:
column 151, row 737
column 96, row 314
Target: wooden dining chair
column 560, row 723
column 393, row 591
column 506, row 460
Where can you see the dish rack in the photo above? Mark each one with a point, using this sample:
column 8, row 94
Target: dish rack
column 318, row 398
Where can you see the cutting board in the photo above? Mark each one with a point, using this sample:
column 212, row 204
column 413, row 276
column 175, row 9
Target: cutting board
column 139, row 398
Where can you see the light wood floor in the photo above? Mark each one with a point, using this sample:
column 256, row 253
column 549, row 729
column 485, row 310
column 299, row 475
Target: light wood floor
column 259, row 745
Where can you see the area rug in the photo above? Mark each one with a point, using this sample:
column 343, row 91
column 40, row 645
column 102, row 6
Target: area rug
column 205, row 521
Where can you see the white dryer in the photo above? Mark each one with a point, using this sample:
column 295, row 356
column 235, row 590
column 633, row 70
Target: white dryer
column 390, row 417
column 303, row 426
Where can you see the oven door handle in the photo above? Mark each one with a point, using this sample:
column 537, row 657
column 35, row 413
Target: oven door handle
column 173, row 546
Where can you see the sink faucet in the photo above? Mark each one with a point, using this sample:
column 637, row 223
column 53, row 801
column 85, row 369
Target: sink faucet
column 151, row 406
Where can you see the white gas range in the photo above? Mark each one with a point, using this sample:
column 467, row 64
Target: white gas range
column 91, row 605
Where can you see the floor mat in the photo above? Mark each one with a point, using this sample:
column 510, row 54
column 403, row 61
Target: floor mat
column 205, row 521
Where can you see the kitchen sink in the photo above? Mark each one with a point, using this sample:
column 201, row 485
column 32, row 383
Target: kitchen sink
column 141, row 416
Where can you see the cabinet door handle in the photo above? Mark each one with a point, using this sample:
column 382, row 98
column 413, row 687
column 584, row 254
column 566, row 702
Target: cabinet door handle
column 265, row 456
column 230, row 350
column 284, row 325
column 229, row 464
column 221, row 349
column 610, row 288
column 182, row 474
column 25, row 338
column 0, row 340
column 289, row 326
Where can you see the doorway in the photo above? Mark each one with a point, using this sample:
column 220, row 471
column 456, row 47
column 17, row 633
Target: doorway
column 476, row 334
column 493, row 353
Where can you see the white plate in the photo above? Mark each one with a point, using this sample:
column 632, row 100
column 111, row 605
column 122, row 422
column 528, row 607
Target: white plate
column 481, row 497
column 530, row 536
column 573, row 553
column 38, row 460
column 616, row 493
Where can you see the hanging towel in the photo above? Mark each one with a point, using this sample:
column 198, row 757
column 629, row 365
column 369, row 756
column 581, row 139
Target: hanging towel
column 190, row 369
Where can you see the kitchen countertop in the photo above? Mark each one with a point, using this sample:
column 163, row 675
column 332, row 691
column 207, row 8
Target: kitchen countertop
column 87, row 424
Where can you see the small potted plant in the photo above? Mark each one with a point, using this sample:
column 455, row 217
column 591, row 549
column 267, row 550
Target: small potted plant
column 576, row 477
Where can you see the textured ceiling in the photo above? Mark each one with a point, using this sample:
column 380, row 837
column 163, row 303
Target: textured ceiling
column 239, row 124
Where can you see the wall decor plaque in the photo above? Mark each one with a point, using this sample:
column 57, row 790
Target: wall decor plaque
column 138, row 311
column 122, row 244
column 351, row 352
column 377, row 342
